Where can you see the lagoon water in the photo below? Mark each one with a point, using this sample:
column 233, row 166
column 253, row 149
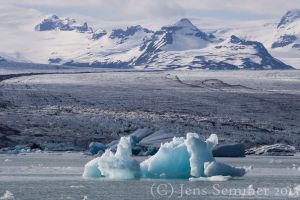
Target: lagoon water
column 54, row 176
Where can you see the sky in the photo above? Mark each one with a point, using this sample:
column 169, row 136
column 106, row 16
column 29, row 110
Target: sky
column 153, row 11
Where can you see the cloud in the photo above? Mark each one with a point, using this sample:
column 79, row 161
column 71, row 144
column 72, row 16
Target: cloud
column 12, row 15
column 155, row 11
column 272, row 7
column 112, row 9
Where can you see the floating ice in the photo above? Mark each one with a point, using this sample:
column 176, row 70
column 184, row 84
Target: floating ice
column 273, row 150
column 200, row 152
column 216, row 168
column 96, row 148
column 85, row 198
column 119, row 165
column 91, row 169
column 229, row 150
column 7, row 196
column 181, row 158
column 295, row 192
column 171, row 161
column 212, row 178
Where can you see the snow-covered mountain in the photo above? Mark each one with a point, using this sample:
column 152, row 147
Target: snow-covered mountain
column 288, row 31
column 53, row 22
column 178, row 46
column 182, row 45
column 290, row 17
column 2, row 59
column 281, row 38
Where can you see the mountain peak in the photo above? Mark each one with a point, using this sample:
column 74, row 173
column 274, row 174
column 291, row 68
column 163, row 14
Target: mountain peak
column 53, row 22
column 184, row 22
column 289, row 17
column 52, row 17
column 235, row 40
column 129, row 31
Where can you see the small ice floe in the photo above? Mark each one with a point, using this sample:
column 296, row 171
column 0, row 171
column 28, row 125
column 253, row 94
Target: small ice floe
column 293, row 167
column 7, row 160
column 229, row 150
column 96, row 148
column 7, row 196
column 273, row 150
column 275, row 161
column 117, row 165
column 77, row 186
column 85, row 197
column 212, row 178
column 22, row 149
column 248, row 168
column 180, row 158
column 295, row 192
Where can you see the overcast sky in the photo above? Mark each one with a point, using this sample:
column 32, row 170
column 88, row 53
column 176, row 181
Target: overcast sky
column 147, row 10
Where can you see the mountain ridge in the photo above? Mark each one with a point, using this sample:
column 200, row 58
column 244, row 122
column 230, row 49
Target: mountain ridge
column 180, row 45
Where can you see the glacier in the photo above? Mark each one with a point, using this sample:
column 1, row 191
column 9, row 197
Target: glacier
column 182, row 158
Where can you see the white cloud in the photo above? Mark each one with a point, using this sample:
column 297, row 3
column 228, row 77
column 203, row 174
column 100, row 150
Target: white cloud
column 17, row 17
column 274, row 7
column 114, row 9
column 122, row 9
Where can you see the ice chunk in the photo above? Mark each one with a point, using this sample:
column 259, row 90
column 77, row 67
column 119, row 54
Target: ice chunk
column 171, row 161
column 212, row 141
column 295, row 192
column 212, row 178
column 157, row 138
column 180, row 158
column 119, row 165
column 273, row 150
column 200, row 152
column 216, row 168
column 139, row 134
column 96, row 147
column 113, row 145
column 229, row 150
column 91, row 169
column 7, row 196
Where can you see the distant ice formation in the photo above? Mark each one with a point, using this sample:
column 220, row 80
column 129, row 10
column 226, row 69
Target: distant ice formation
column 7, row 196
column 295, row 192
column 273, row 150
column 182, row 158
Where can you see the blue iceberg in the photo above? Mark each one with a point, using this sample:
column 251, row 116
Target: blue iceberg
column 182, row 158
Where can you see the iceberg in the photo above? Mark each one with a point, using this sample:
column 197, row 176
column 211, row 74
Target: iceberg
column 229, row 150
column 171, row 161
column 220, row 169
column 182, row 158
column 295, row 192
column 119, row 165
column 7, row 196
column 200, row 152
column 273, row 150
column 96, row 148
column 91, row 169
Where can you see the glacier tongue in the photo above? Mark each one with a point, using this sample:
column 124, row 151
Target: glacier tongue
column 181, row 158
